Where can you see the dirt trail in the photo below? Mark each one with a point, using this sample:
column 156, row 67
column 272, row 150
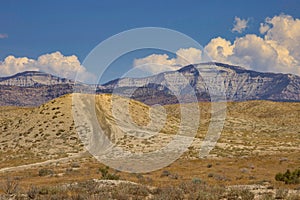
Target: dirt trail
column 23, row 167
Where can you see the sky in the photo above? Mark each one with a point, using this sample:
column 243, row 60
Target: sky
column 56, row 36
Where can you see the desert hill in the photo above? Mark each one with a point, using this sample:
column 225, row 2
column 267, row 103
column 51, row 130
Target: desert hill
column 48, row 131
column 257, row 136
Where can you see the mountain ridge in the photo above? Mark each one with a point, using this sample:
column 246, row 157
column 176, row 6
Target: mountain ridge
column 33, row 78
column 241, row 85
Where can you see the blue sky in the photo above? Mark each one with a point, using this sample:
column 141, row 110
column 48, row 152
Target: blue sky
column 33, row 28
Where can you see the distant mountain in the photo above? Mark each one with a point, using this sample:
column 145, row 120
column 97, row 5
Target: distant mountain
column 33, row 79
column 240, row 84
column 34, row 88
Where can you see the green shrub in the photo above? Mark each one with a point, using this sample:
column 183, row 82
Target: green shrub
column 165, row 173
column 45, row 172
column 106, row 175
column 289, row 177
column 196, row 180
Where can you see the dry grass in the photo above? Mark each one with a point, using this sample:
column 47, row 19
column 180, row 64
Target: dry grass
column 187, row 190
column 259, row 139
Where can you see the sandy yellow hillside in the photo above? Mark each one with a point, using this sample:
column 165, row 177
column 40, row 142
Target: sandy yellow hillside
column 49, row 131
column 257, row 136
column 33, row 134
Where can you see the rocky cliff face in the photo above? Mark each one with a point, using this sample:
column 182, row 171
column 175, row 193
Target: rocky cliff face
column 32, row 79
column 239, row 84
column 35, row 88
column 32, row 88
column 32, row 96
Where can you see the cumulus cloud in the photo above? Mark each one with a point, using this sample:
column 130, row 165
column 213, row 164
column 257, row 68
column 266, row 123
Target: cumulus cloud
column 277, row 51
column 157, row 63
column 263, row 28
column 239, row 25
column 219, row 49
column 53, row 63
column 252, row 51
column 188, row 56
column 3, row 35
column 285, row 32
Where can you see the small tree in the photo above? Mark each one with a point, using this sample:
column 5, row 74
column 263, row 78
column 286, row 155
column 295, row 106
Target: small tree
column 289, row 177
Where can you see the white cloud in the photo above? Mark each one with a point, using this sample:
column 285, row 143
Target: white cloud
column 219, row 49
column 253, row 52
column 157, row 63
column 239, row 25
column 263, row 28
column 285, row 32
column 188, row 56
column 277, row 51
column 3, row 35
column 53, row 63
